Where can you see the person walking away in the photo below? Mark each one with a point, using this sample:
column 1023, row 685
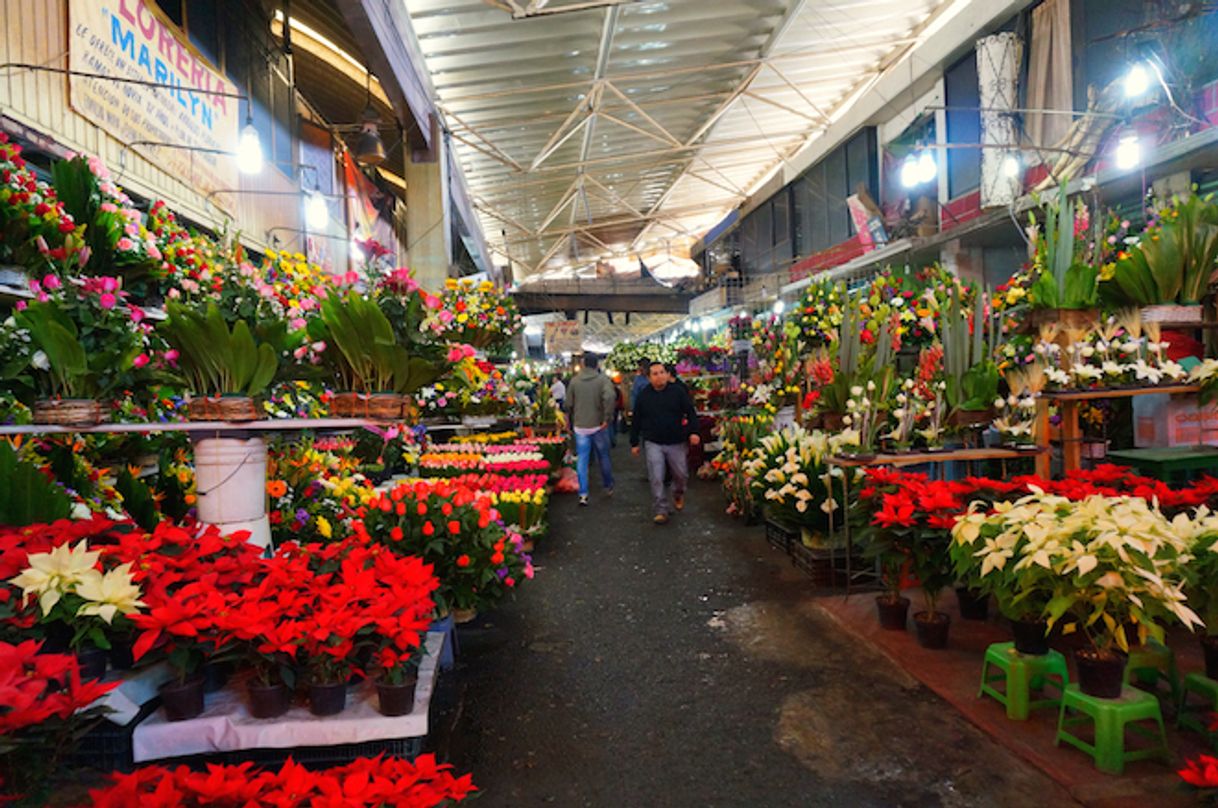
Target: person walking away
column 589, row 402
column 664, row 420
column 558, row 392
column 639, row 384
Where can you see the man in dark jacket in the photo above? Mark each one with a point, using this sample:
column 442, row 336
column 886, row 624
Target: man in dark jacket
column 665, row 419
column 590, row 402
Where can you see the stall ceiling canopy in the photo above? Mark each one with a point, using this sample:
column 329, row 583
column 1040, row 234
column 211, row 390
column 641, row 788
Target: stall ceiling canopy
column 597, row 128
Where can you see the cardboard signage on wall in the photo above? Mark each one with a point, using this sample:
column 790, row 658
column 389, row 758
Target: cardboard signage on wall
column 131, row 39
column 564, row 336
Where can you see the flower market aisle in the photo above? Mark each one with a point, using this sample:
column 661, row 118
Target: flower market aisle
column 687, row 665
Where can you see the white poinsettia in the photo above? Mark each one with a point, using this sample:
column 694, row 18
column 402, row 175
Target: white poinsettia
column 106, row 595
column 51, row 575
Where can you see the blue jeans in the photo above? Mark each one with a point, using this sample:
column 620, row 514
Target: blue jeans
column 584, row 446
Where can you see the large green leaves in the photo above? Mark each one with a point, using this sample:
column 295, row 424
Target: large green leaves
column 363, row 351
column 29, row 496
column 216, row 360
column 54, row 333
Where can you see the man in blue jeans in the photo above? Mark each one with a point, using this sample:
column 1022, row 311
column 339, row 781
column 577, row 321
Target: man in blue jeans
column 589, row 405
column 665, row 420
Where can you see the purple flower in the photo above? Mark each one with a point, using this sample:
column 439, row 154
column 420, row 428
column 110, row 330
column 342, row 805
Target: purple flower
column 302, row 515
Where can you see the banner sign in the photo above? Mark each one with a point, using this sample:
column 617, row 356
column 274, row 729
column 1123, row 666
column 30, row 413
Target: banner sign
column 564, row 336
column 131, row 39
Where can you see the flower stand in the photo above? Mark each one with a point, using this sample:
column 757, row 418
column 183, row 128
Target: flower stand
column 1111, row 718
column 226, row 728
column 1021, row 673
column 1193, row 717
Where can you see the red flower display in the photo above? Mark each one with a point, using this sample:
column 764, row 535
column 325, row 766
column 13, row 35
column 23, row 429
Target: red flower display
column 378, row 781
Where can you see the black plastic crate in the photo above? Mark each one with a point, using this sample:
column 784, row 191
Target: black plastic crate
column 107, row 747
column 817, row 563
column 780, row 536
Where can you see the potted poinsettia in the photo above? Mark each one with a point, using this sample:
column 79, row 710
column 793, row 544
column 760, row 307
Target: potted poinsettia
column 74, row 593
column 1201, row 585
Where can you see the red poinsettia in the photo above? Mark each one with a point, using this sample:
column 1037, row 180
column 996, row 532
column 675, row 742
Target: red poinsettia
column 1201, row 772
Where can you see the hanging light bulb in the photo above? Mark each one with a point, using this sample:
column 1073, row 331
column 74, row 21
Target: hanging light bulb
column 317, row 212
column 779, row 307
column 909, row 172
column 1137, row 80
column 1011, row 167
column 927, row 167
column 249, row 149
column 1128, row 153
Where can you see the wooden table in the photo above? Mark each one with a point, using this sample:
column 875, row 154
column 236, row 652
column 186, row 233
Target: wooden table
column 1072, row 436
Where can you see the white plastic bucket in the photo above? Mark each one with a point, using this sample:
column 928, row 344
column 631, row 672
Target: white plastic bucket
column 230, row 480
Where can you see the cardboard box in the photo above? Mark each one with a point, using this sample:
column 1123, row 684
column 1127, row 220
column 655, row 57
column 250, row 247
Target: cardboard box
column 1163, row 420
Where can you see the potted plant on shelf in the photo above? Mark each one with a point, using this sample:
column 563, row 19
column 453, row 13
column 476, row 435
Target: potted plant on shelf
column 372, row 371
column 970, row 374
column 265, row 626
column 1064, row 288
column 1169, row 269
column 223, row 369
column 395, row 672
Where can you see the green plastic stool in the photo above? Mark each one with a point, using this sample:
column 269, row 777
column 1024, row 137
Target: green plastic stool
column 1188, row 716
column 1151, row 664
column 1111, row 717
column 1023, row 673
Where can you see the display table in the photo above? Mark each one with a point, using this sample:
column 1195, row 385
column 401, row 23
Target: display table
column 1072, row 436
column 1169, row 462
column 227, row 726
column 137, row 688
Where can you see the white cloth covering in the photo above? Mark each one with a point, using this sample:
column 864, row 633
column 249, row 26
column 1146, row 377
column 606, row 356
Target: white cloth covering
column 227, row 726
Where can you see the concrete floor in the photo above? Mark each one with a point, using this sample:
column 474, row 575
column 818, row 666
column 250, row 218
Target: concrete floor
column 687, row 665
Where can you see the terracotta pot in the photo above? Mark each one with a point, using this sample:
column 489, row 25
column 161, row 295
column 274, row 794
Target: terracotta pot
column 1100, row 675
column 973, row 605
column 931, row 628
column 893, row 614
column 182, row 700
column 1031, row 637
column 68, row 412
column 92, row 661
column 269, row 701
column 396, row 699
column 464, row 615
column 222, row 408
column 327, row 698
column 1209, row 647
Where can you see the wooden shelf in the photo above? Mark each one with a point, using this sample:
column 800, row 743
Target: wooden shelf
column 1118, row 392
column 270, row 425
column 917, row 458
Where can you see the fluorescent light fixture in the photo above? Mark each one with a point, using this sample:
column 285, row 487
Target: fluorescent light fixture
column 1137, row 80
column 317, row 212
column 249, row 150
column 1128, row 153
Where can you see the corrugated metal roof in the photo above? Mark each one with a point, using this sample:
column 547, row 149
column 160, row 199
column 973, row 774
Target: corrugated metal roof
column 627, row 125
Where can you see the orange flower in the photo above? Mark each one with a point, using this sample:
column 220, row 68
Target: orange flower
column 276, row 488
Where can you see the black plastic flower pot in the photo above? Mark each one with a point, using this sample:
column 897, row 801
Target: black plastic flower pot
column 269, row 701
column 215, row 676
column 894, row 614
column 1031, row 637
column 92, row 661
column 1100, row 675
column 973, row 605
column 1209, row 647
column 932, row 628
column 182, row 700
column 327, row 698
column 396, row 699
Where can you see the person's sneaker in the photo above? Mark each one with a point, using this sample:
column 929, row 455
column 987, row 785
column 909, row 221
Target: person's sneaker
column 661, row 519
column 583, row 499
column 678, row 503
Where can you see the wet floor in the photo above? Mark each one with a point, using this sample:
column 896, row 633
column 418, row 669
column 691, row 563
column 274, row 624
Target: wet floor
column 688, row 665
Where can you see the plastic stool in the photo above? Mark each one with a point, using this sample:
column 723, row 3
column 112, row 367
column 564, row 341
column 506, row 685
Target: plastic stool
column 1151, row 664
column 1023, row 673
column 1111, row 717
column 1189, row 717
column 448, row 651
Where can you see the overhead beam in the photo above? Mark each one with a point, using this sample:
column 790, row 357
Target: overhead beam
column 541, row 302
